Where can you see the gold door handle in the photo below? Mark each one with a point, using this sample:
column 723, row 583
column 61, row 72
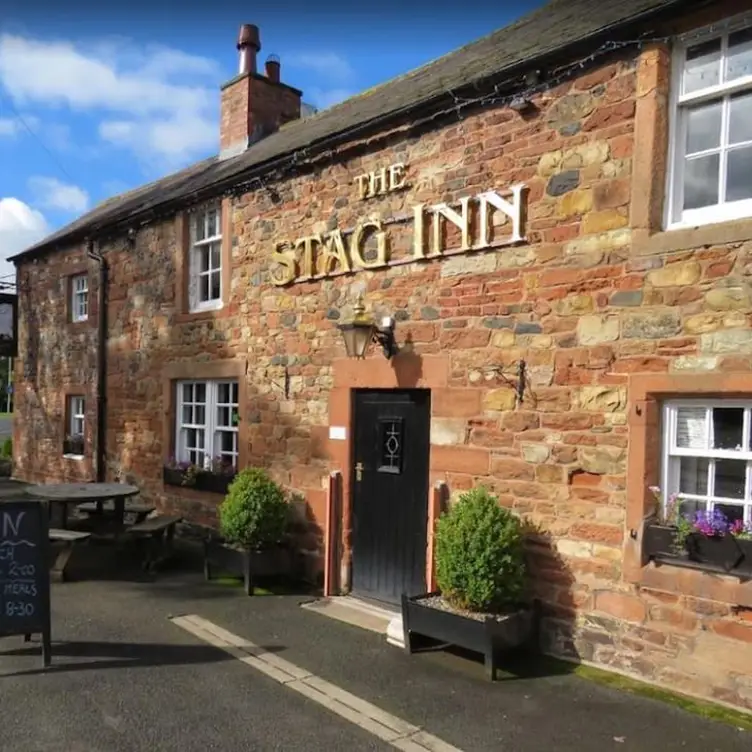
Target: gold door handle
column 359, row 471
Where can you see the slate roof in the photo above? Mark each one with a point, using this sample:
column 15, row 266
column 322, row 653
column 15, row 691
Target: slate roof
column 555, row 27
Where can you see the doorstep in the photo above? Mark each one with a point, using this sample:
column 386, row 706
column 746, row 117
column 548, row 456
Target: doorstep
column 358, row 613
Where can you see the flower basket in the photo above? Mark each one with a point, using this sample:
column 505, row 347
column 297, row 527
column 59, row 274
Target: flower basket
column 659, row 540
column 173, row 476
column 213, row 482
column 719, row 550
column 73, row 445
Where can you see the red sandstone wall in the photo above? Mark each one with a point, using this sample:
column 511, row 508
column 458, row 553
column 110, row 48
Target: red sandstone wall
column 595, row 296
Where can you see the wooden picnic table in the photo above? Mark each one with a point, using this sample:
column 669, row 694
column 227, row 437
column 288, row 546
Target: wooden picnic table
column 59, row 496
column 62, row 495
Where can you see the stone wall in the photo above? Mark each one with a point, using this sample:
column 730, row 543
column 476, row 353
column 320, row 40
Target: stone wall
column 583, row 302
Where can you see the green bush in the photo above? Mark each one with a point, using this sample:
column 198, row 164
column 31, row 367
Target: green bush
column 480, row 563
column 6, row 451
column 255, row 512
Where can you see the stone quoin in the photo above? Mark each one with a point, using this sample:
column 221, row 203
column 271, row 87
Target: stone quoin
column 569, row 344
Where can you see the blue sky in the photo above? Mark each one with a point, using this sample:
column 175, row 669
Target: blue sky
column 94, row 102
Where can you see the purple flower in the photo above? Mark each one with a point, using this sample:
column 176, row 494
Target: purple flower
column 712, row 524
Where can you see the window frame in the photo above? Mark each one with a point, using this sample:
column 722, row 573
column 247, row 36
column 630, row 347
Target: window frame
column 671, row 454
column 195, row 247
column 76, row 295
column 210, row 426
column 675, row 217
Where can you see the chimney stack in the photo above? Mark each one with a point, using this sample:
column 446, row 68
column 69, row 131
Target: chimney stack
column 272, row 68
column 254, row 105
column 249, row 45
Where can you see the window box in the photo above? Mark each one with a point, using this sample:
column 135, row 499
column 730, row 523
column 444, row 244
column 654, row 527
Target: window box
column 201, row 480
column 659, row 540
column 489, row 635
column 74, row 445
column 718, row 550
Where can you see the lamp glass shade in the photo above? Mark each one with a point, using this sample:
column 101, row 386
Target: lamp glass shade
column 357, row 337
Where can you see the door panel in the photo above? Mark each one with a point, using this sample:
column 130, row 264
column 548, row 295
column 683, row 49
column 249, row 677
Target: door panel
column 390, row 493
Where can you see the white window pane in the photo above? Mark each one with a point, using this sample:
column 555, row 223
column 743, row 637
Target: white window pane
column 702, row 68
column 693, row 475
column 739, row 174
column 701, row 181
column 199, row 232
column 187, row 392
column 704, row 127
column 739, row 61
column 187, row 415
column 203, row 259
column 691, row 428
column 223, row 393
column 729, row 478
column 212, row 225
column 224, row 417
column 733, row 512
column 199, row 415
column 216, row 260
column 200, row 393
column 216, row 285
column 740, row 119
column 728, row 426
column 203, row 288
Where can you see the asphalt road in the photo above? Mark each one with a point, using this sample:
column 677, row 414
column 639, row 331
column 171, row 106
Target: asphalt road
column 125, row 678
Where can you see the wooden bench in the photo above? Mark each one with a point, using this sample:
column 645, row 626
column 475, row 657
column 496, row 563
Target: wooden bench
column 69, row 539
column 139, row 511
column 157, row 535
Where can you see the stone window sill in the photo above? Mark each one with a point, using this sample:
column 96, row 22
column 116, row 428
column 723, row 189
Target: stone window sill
column 210, row 314
column 685, row 563
column 688, row 238
column 77, row 457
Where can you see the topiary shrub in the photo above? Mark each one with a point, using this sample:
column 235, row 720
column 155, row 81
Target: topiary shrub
column 480, row 563
column 255, row 512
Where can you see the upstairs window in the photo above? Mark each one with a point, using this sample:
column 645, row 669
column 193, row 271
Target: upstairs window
column 205, row 259
column 79, row 302
column 712, row 127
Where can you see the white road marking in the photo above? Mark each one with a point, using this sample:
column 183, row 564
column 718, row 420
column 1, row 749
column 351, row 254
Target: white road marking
column 400, row 734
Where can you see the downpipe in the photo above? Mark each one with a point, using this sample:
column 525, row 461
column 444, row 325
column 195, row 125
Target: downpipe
column 101, row 430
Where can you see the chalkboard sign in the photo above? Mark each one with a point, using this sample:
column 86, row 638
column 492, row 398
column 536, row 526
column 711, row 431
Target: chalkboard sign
column 24, row 571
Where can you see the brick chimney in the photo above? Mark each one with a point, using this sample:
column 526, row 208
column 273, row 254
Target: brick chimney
column 254, row 105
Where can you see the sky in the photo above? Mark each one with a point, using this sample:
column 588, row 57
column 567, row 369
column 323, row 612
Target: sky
column 94, row 102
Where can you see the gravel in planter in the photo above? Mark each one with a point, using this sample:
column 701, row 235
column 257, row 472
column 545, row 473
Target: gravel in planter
column 440, row 603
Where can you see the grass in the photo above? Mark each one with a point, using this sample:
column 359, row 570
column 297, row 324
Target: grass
column 6, row 415
column 271, row 587
column 707, row 710
column 547, row 666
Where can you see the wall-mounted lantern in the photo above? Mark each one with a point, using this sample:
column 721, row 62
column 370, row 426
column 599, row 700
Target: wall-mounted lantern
column 361, row 330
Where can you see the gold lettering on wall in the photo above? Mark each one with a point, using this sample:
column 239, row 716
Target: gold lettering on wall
column 382, row 181
column 319, row 256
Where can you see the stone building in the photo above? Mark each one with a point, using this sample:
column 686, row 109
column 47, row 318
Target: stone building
column 558, row 220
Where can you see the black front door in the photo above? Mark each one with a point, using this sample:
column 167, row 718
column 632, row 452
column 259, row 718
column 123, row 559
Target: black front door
column 390, row 493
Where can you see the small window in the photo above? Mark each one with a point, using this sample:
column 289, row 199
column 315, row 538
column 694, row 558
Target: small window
column 391, row 444
column 75, row 426
column 79, row 304
column 205, row 262
column 708, row 457
column 712, row 127
column 207, row 423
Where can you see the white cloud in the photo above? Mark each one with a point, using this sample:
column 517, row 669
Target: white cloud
column 20, row 227
column 51, row 193
column 11, row 127
column 159, row 102
column 328, row 65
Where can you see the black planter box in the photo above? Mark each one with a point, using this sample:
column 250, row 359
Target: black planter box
column 214, row 482
column 171, row 476
column 721, row 550
column 74, row 446
column 271, row 562
column 659, row 540
column 491, row 637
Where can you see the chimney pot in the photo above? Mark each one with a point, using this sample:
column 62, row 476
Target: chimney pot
column 272, row 69
column 249, row 45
